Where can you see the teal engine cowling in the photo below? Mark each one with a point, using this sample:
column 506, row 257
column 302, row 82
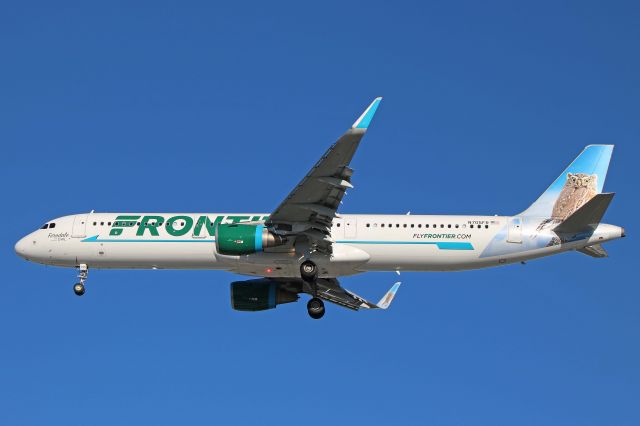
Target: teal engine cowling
column 259, row 295
column 237, row 239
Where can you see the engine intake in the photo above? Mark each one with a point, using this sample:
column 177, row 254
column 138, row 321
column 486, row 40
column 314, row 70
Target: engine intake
column 259, row 295
column 239, row 239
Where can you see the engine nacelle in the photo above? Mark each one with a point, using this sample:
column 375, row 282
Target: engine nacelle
column 259, row 295
column 238, row 239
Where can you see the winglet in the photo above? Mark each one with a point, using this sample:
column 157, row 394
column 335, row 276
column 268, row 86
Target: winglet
column 388, row 298
column 366, row 117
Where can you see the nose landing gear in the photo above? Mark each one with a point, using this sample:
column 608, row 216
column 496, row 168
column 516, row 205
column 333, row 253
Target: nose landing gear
column 309, row 274
column 83, row 273
column 78, row 289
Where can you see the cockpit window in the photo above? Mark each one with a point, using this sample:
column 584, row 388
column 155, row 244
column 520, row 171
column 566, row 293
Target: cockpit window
column 52, row 225
column 45, row 226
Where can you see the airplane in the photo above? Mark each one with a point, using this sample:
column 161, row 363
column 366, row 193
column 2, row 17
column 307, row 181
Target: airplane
column 305, row 245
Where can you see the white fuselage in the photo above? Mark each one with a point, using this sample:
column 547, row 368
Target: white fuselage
column 362, row 243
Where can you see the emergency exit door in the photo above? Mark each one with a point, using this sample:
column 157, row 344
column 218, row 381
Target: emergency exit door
column 350, row 227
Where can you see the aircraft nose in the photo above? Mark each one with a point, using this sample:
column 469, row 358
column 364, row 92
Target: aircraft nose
column 21, row 247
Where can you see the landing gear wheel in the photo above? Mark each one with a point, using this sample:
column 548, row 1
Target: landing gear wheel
column 78, row 289
column 308, row 271
column 83, row 273
column 315, row 307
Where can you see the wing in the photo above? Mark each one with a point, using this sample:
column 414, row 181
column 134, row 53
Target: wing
column 330, row 290
column 310, row 208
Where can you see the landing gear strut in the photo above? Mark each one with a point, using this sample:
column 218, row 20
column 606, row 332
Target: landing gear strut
column 83, row 273
column 309, row 274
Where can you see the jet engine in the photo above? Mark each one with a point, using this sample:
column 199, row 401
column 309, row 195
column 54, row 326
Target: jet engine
column 238, row 239
column 259, row 295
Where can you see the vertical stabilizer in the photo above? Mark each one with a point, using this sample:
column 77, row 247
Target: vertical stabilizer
column 579, row 183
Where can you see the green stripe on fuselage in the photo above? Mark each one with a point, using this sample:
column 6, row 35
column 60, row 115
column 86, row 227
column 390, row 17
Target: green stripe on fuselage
column 442, row 245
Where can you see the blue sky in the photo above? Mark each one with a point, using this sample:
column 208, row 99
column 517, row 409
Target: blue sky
column 214, row 107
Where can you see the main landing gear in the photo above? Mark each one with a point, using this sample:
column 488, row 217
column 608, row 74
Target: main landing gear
column 309, row 273
column 83, row 273
column 315, row 307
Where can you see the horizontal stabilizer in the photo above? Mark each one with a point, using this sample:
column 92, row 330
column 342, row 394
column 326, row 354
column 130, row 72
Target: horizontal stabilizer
column 595, row 250
column 590, row 214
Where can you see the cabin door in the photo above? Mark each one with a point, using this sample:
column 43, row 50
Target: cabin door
column 515, row 230
column 79, row 229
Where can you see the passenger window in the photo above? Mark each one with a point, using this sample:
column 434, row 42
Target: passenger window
column 486, row 227
column 397, row 225
column 449, row 226
column 426, row 225
column 412, row 225
column 367, row 225
column 52, row 225
column 471, row 226
column 419, row 225
column 382, row 225
column 338, row 225
column 101, row 223
column 390, row 225
column 442, row 225
column 404, row 226
column 45, row 226
column 109, row 223
column 95, row 223
column 457, row 226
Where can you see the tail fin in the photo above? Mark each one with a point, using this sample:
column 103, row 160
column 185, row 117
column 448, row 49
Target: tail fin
column 581, row 181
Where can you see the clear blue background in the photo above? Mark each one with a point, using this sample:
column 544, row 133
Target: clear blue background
column 214, row 107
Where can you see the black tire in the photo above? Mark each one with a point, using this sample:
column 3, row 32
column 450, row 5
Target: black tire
column 315, row 307
column 78, row 289
column 309, row 271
